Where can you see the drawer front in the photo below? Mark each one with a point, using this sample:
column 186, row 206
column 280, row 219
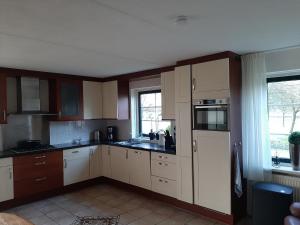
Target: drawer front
column 76, row 153
column 37, row 185
column 37, row 169
column 163, row 169
column 163, row 157
column 164, row 186
column 37, row 158
column 38, row 165
column 6, row 162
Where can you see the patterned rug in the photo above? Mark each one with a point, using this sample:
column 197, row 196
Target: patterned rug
column 89, row 220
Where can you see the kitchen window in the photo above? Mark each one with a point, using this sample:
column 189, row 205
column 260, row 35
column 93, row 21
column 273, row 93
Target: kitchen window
column 149, row 113
column 284, row 113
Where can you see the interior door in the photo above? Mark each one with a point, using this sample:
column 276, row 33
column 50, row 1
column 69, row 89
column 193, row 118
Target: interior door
column 119, row 164
column 212, row 170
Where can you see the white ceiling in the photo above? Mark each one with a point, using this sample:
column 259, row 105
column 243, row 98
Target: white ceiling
column 110, row 37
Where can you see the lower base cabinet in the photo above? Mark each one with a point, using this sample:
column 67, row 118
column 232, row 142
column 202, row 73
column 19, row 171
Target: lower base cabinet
column 139, row 168
column 76, row 165
column 164, row 186
column 38, row 173
column 184, row 179
column 95, row 161
column 119, row 164
column 6, row 183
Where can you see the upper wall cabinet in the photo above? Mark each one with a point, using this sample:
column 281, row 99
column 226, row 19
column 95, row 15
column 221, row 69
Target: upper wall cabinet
column 168, row 95
column 115, row 95
column 3, row 101
column 183, row 83
column 211, row 79
column 66, row 99
column 92, row 100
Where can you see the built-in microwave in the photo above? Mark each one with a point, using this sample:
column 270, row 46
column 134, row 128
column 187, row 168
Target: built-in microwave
column 211, row 114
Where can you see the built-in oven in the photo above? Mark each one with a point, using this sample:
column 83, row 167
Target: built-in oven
column 211, row 114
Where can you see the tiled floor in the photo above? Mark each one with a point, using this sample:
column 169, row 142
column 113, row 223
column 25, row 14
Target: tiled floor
column 105, row 200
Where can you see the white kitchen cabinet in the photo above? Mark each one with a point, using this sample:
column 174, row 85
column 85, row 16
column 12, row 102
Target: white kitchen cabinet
column 210, row 80
column 164, row 186
column 184, row 179
column 183, row 84
column 163, row 157
column 106, row 163
column 7, row 183
column 76, row 165
column 183, row 129
column 92, row 100
column 110, row 99
column 95, row 161
column 115, row 100
column 168, row 95
column 119, row 164
column 139, row 168
column 212, row 170
column 163, row 169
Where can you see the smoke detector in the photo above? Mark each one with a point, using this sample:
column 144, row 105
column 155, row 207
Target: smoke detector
column 181, row 20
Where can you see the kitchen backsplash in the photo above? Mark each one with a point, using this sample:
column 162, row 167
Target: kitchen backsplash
column 24, row 127
column 124, row 128
column 66, row 132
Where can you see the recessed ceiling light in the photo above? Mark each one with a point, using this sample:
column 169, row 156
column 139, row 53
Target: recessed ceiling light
column 181, row 20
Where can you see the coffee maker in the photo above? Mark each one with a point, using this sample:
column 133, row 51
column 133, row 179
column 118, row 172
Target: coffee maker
column 111, row 133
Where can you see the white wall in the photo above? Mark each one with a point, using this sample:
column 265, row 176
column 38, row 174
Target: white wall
column 283, row 60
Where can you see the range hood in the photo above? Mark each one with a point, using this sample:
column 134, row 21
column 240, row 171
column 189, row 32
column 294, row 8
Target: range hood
column 28, row 96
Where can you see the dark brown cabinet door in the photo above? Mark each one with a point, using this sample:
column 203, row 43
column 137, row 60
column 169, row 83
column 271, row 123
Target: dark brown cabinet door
column 67, row 99
column 3, row 105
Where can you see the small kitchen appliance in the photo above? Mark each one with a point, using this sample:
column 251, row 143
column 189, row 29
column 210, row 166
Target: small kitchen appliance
column 111, row 133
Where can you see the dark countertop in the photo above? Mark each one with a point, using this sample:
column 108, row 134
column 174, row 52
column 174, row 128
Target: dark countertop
column 60, row 147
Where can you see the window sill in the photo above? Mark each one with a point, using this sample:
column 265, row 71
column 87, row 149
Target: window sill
column 286, row 170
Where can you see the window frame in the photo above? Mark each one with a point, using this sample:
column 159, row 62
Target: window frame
column 140, row 110
column 281, row 79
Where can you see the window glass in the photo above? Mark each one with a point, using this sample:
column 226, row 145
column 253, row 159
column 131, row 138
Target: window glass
column 284, row 115
column 150, row 113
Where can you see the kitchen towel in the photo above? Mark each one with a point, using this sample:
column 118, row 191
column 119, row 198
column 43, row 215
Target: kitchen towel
column 238, row 188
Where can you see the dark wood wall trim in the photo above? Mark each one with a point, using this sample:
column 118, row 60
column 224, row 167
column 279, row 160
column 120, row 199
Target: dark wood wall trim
column 206, row 58
column 140, row 74
column 44, row 75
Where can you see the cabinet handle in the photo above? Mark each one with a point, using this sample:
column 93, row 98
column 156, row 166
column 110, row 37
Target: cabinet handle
column 136, row 152
column 59, row 114
column 159, row 163
column 126, row 154
column 65, row 163
column 166, row 164
column 40, row 179
column 166, row 157
column 108, row 151
column 166, row 181
column 160, row 180
column 194, row 145
column 194, row 84
column 74, row 152
column 40, row 163
column 40, row 157
column 10, row 173
column 160, row 156
column 4, row 115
